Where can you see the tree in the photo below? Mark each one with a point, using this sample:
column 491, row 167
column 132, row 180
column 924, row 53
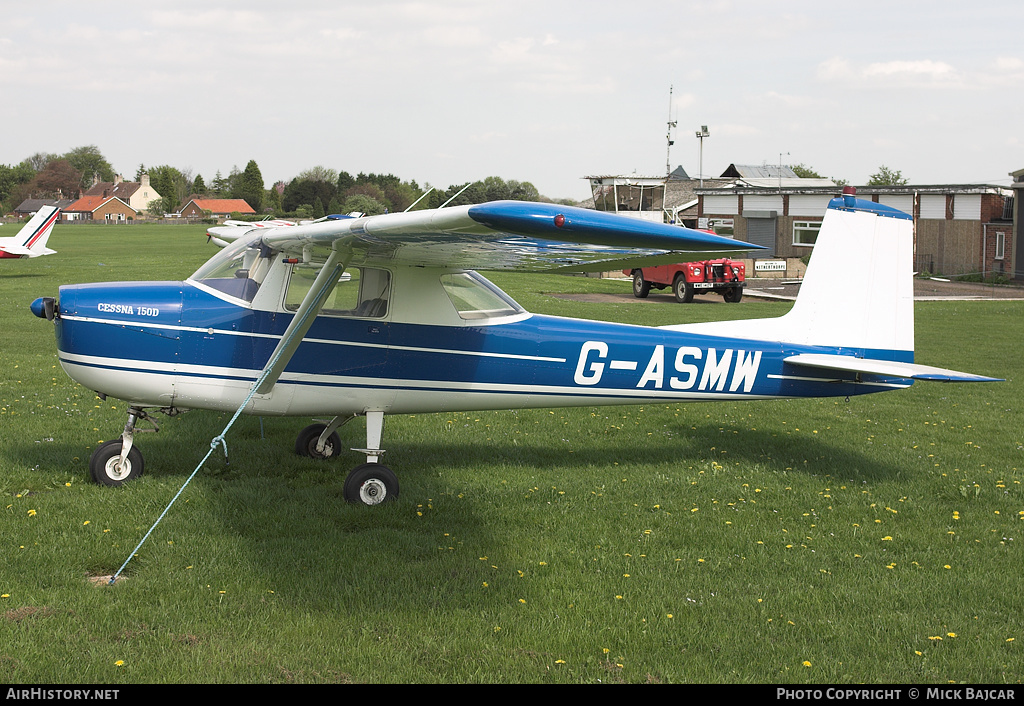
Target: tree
column 301, row 192
column 173, row 185
column 805, row 172
column 319, row 173
column 90, row 163
column 250, row 186
column 345, row 182
column 887, row 177
column 219, row 185
column 12, row 179
column 59, row 180
column 363, row 204
column 199, row 186
column 39, row 160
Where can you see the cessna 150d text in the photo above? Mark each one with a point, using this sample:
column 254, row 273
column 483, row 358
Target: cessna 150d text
column 369, row 316
column 31, row 239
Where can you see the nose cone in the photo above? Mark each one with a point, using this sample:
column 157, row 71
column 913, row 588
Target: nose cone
column 44, row 308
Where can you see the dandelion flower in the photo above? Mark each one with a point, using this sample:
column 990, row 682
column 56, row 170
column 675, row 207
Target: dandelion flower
column 806, row 663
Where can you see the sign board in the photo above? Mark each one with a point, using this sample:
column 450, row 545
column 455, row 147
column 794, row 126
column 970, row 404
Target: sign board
column 770, row 266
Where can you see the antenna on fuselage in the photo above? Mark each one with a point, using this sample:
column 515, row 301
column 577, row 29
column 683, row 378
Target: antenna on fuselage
column 457, row 195
column 418, row 200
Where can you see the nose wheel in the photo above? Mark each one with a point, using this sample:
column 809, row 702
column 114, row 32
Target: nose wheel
column 108, row 468
column 118, row 461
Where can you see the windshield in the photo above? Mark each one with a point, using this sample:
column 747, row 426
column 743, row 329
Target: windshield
column 237, row 270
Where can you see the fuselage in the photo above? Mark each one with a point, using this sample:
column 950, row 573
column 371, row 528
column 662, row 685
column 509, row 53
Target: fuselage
column 191, row 345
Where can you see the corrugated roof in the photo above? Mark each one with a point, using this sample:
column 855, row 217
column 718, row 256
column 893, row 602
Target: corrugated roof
column 758, row 171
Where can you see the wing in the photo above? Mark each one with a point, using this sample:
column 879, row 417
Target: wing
column 492, row 236
column 496, row 235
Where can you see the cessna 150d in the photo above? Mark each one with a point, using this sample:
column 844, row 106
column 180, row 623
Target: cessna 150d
column 369, row 316
column 31, row 239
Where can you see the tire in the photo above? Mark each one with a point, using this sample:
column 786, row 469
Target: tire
column 371, row 484
column 682, row 289
column 641, row 287
column 305, row 442
column 104, row 461
column 733, row 294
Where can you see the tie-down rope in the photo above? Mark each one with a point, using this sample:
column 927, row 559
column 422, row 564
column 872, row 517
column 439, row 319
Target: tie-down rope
column 219, row 440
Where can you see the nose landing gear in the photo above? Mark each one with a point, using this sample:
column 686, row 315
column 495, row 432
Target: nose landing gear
column 117, row 461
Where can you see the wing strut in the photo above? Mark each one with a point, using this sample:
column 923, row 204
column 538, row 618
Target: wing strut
column 304, row 317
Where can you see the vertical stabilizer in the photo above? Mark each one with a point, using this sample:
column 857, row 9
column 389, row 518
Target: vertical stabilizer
column 858, row 291
column 31, row 239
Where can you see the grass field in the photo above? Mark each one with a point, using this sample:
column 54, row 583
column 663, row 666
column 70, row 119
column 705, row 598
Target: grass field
column 813, row 541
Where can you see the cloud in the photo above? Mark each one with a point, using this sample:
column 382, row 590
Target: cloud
column 914, row 69
column 898, row 73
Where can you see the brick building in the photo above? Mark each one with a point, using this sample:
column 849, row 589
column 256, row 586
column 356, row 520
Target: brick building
column 959, row 229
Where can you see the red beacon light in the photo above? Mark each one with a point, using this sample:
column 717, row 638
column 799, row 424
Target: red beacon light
column 559, row 220
column 849, row 196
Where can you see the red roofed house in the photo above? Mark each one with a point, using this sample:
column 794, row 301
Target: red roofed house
column 137, row 194
column 99, row 208
column 218, row 208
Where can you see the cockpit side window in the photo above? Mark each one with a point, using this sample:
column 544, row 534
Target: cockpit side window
column 361, row 291
column 475, row 298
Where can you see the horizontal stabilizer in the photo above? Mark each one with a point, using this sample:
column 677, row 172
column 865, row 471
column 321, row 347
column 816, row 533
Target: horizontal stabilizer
column 890, row 368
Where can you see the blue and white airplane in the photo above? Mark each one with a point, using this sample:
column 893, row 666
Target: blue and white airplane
column 31, row 239
column 370, row 316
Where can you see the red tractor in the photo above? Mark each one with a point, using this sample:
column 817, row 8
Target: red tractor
column 725, row 277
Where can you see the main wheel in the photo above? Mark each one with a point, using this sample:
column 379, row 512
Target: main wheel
column 641, row 287
column 371, row 484
column 106, row 468
column 733, row 294
column 305, row 443
column 682, row 289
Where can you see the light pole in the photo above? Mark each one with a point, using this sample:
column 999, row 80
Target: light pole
column 701, row 134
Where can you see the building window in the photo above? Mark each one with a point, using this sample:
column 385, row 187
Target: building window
column 719, row 226
column 805, row 232
column 1000, row 245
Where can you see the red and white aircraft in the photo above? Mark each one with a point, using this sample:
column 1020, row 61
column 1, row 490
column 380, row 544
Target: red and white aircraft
column 31, row 239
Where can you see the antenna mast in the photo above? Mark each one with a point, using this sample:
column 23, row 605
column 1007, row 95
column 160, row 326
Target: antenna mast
column 668, row 137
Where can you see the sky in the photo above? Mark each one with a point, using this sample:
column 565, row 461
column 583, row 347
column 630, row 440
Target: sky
column 449, row 91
